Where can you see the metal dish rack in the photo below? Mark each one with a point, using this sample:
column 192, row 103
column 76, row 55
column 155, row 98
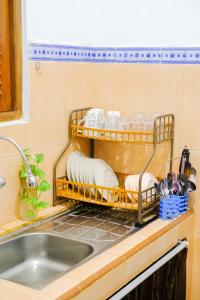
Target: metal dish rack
column 144, row 204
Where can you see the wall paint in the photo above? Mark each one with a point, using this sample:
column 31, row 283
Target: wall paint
column 57, row 88
column 163, row 88
column 114, row 23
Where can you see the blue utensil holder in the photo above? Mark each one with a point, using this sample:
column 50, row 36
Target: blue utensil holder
column 173, row 206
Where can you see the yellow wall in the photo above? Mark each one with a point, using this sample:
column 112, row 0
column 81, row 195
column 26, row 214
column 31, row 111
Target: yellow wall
column 60, row 87
column 55, row 91
column 163, row 88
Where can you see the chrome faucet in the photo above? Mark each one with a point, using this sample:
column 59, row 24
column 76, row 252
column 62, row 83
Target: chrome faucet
column 31, row 179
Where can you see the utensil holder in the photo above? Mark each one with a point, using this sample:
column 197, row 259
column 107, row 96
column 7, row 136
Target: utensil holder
column 173, row 206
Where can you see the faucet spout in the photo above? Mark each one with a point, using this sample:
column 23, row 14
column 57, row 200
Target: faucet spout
column 31, row 179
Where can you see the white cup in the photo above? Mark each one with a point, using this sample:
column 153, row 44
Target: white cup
column 94, row 118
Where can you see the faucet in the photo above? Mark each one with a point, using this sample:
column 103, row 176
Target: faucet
column 31, row 179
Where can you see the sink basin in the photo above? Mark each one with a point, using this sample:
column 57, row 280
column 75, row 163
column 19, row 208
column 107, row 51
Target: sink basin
column 40, row 253
column 35, row 259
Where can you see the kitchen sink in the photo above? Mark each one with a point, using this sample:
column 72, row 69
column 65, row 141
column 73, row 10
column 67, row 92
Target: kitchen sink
column 35, row 259
column 42, row 252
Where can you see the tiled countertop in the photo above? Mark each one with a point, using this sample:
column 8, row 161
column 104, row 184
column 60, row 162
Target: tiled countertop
column 43, row 214
column 101, row 276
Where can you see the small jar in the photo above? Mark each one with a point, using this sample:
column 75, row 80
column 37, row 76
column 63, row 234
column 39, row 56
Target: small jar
column 27, row 209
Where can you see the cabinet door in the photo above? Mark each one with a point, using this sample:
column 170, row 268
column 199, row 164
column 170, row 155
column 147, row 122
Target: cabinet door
column 163, row 280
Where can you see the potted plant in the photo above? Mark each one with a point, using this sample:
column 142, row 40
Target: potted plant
column 30, row 201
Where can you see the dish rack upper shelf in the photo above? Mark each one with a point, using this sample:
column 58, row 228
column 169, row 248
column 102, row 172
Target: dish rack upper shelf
column 162, row 131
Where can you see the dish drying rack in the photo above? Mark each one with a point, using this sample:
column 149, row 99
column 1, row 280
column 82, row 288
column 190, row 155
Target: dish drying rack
column 144, row 204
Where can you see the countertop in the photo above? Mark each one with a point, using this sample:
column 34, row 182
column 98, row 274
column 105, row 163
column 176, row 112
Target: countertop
column 102, row 275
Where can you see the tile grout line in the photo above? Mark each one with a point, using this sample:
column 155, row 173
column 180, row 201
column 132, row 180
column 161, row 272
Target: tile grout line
column 37, row 150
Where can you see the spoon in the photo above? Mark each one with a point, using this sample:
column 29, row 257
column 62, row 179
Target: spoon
column 170, row 178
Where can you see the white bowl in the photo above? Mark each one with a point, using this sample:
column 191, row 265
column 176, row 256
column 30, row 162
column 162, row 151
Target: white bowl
column 132, row 184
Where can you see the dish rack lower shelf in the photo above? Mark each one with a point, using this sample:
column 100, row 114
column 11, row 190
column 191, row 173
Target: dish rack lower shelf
column 101, row 195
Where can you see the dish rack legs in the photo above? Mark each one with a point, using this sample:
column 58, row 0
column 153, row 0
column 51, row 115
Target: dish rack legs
column 140, row 199
column 156, row 136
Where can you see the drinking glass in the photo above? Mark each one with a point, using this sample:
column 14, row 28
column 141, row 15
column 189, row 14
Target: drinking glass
column 123, row 125
column 148, row 127
column 138, row 123
column 112, row 123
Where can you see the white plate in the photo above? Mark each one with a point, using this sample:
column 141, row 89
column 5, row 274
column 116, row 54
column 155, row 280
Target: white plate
column 69, row 160
column 91, row 172
column 71, row 164
column 131, row 184
column 76, row 166
column 105, row 176
column 83, row 170
column 88, row 170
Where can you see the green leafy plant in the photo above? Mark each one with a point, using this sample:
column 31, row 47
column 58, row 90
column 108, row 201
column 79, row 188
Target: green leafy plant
column 31, row 196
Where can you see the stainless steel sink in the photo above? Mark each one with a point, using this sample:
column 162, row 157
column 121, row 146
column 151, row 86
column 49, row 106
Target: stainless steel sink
column 35, row 259
column 38, row 254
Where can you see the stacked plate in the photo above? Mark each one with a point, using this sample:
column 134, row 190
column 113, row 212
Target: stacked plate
column 83, row 169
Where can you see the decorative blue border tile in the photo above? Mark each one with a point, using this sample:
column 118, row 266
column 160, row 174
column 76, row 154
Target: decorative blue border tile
column 180, row 55
column 44, row 52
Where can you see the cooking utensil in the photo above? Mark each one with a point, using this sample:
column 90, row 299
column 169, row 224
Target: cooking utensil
column 188, row 187
column 170, row 178
column 177, row 187
column 166, row 187
column 182, row 178
column 162, row 188
column 192, row 176
column 185, row 165
column 182, row 164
